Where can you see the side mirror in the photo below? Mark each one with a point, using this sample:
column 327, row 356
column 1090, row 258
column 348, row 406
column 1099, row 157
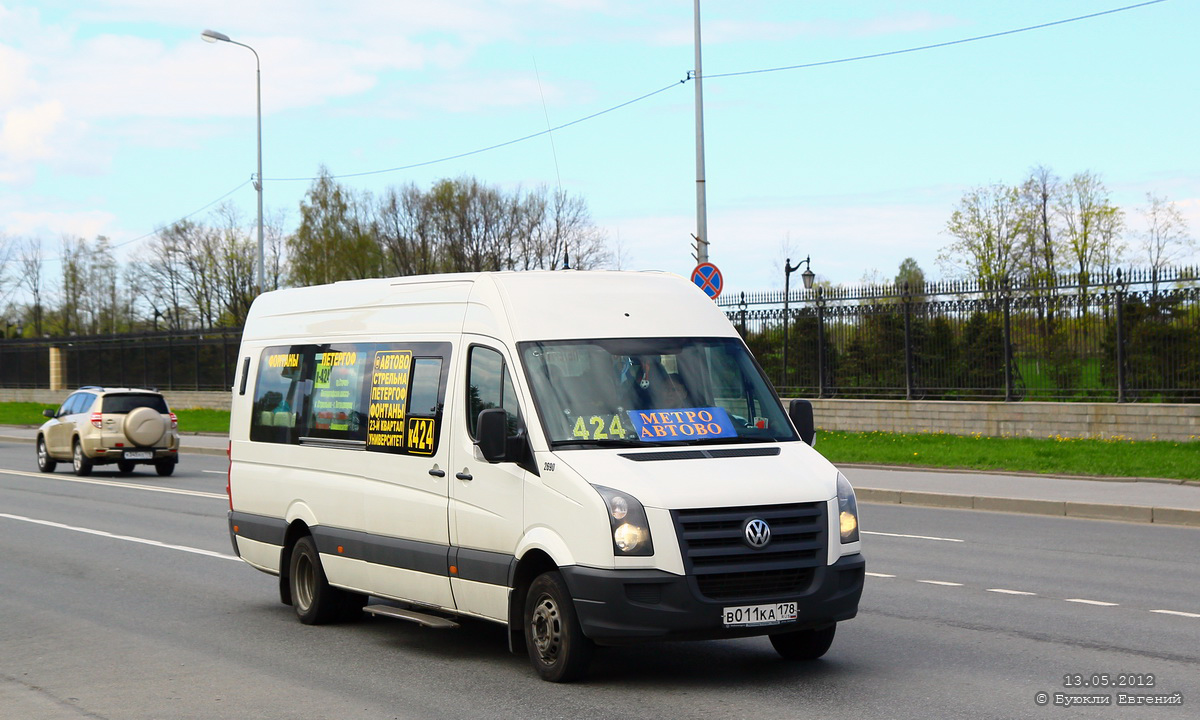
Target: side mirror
column 491, row 434
column 48, row 413
column 801, row 412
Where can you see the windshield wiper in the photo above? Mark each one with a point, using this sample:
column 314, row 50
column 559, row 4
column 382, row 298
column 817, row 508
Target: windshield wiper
column 727, row 441
column 611, row 442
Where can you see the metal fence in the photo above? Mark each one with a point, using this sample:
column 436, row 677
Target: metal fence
column 171, row 360
column 1122, row 336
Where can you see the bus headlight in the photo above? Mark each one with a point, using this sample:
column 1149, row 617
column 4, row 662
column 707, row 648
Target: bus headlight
column 627, row 518
column 847, row 510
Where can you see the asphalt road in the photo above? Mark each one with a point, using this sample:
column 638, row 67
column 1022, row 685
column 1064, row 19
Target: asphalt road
column 120, row 598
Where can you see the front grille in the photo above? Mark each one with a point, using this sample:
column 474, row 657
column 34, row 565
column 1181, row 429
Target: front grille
column 725, row 567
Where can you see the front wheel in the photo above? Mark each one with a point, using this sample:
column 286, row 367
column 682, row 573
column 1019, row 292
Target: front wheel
column 45, row 463
column 804, row 644
column 125, row 466
column 81, row 462
column 558, row 649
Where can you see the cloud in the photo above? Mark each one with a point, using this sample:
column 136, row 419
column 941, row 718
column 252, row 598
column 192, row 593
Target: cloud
column 26, row 132
column 86, row 224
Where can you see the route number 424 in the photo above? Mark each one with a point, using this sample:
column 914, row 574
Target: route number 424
column 598, row 427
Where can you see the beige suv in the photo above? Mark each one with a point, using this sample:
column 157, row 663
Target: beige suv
column 99, row 426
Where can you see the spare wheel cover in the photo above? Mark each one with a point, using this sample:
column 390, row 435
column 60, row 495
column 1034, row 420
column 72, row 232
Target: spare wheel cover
column 144, row 426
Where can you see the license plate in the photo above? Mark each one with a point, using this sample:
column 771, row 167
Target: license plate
column 139, row 454
column 751, row 615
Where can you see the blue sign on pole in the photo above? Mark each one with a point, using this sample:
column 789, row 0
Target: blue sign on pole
column 708, row 278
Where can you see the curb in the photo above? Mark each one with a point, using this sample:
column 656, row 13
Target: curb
column 183, row 448
column 1018, row 473
column 1058, row 508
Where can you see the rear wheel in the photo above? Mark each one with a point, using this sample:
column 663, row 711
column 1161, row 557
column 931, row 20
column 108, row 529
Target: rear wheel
column 81, row 462
column 316, row 601
column 164, row 467
column 45, row 463
column 804, row 644
column 558, row 649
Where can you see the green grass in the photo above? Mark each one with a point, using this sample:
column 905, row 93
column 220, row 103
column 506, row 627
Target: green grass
column 1052, row 456
column 1117, row 457
column 201, row 420
column 194, row 420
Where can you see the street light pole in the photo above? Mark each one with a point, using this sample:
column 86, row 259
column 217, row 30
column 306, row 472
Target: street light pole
column 701, row 235
column 213, row 36
column 807, row 276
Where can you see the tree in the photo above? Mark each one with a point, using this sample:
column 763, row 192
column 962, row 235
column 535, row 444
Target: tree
column 987, row 227
column 1039, row 253
column 1091, row 225
column 29, row 262
column 335, row 240
column 910, row 275
column 1166, row 238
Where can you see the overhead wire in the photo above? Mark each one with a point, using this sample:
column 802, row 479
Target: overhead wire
column 934, row 46
column 647, row 96
column 707, row 76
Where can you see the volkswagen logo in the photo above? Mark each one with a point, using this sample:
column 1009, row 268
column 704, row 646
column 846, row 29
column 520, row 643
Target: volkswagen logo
column 758, row 532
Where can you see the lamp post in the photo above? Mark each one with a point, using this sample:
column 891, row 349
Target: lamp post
column 213, row 36
column 807, row 276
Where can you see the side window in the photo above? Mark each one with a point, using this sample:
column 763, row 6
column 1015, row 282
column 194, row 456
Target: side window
column 83, row 402
column 406, row 402
column 70, row 402
column 279, row 395
column 384, row 397
column 490, row 386
column 336, row 409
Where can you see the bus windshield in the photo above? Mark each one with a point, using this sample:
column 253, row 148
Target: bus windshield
column 651, row 391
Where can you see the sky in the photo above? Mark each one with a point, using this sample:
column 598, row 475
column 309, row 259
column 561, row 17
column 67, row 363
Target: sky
column 116, row 119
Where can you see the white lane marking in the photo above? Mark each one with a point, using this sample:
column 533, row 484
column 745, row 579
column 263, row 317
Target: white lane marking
column 941, row 582
column 1176, row 612
column 114, row 483
column 127, row 538
column 915, row 537
column 1009, row 592
column 1101, row 603
column 883, row 575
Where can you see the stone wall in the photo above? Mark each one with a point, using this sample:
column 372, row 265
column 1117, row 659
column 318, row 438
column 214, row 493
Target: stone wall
column 177, row 399
column 1137, row 421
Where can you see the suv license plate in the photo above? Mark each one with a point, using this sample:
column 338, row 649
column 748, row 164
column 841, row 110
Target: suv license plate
column 751, row 615
column 139, row 454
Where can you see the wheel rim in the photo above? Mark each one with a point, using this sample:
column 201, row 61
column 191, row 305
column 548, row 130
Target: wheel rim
column 78, row 456
column 304, row 582
column 41, row 452
column 546, row 629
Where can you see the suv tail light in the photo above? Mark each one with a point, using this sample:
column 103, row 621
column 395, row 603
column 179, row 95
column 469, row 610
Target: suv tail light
column 174, row 421
column 97, row 419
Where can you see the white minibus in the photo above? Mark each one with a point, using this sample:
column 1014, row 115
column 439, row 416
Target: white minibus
column 588, row 458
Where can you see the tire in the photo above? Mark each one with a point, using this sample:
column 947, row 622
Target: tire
column 81, row 462
column 125, row 466
column 45, row 463
column 804, row 644
column 558, row 649
column 315, row 601
column 164, row 467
